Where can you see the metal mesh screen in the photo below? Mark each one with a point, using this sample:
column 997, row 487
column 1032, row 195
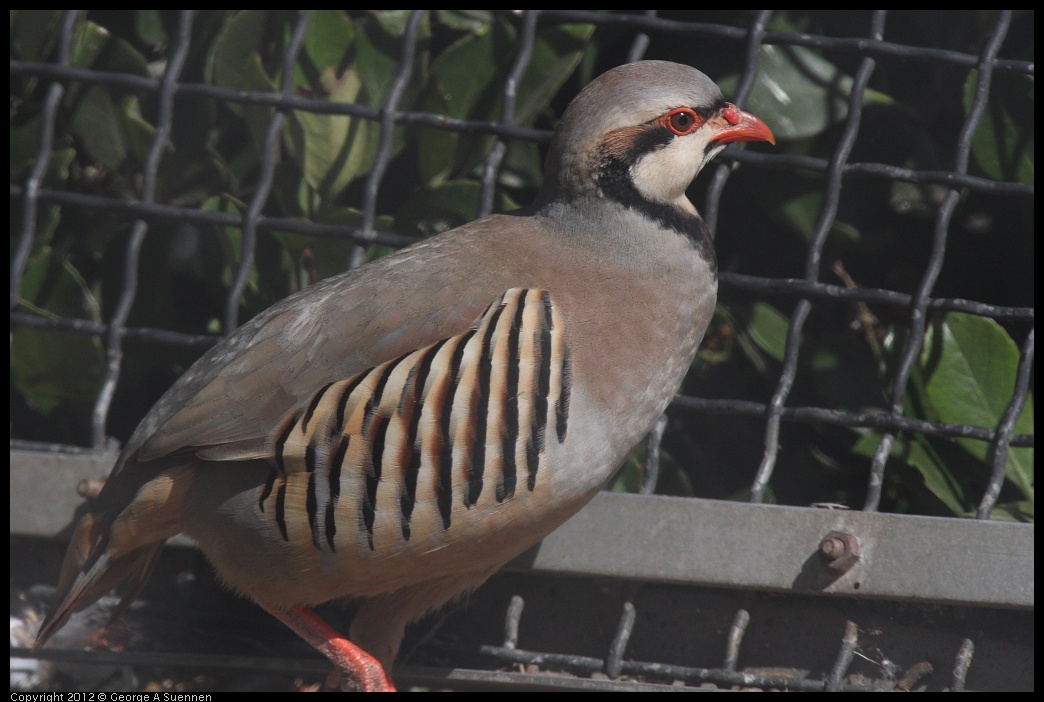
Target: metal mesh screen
column 813, row 293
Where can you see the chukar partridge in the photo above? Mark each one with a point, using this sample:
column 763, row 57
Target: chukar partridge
column 397, row 433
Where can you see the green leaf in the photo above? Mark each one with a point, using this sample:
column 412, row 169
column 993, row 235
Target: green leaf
column 465, row 20
column 802, row 212
column 768, row 329
column 467, row 82
column 330, row 34
column 1003, row 142
column 25, row 140
column 938, row 475
column 1013, row 512
column 47, row 223
column 230, row 241
column 379, row 56
column 95, row 47
column 969, row 367
column 148, row 25
column 34, row 33
column 761, row 331
column 946, row 472
column 462, row 84
column 463, row 75
column 139, row 133
column 96, row 119
column 48, row 367
column 556, row 53
column 48, row 218
column 97, row 124
column 798, row 92
column 333, row 149
column 53, row 287
column 349, row 63
column 235, row 61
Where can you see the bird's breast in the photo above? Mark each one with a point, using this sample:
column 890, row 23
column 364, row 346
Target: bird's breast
column 457, row 456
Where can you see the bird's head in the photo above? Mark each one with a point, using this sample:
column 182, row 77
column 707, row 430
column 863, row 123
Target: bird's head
column 644, row 129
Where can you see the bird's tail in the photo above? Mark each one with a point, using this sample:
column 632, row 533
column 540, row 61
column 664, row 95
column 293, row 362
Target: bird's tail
column 119, row 542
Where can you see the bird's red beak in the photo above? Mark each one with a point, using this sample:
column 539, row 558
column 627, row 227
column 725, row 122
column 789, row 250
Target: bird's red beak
column 742, row 126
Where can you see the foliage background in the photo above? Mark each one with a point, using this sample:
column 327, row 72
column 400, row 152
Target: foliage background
column 881, row 237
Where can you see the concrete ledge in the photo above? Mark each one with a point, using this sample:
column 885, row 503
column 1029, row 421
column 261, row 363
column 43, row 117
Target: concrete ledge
column 693, row 541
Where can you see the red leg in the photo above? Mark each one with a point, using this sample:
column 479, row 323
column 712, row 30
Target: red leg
column 362, row 668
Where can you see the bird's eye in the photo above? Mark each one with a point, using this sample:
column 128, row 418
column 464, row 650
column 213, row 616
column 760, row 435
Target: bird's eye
column 681, row 121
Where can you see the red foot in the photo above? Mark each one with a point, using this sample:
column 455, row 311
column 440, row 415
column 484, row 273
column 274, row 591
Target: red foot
column 363, row 671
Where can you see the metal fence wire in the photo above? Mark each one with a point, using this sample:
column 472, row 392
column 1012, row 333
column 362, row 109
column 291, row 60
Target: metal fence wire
column 955, row 212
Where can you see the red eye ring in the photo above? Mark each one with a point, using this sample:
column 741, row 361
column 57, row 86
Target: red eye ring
column 681, row 121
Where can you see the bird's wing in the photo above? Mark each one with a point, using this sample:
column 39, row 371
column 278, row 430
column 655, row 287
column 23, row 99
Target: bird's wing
column 230, row 402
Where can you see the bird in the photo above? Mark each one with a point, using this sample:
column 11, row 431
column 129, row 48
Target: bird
column 395, row 434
